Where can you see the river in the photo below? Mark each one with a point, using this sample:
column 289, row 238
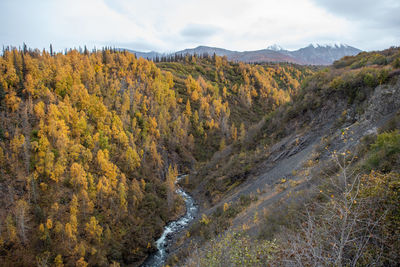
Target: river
column 158, row 258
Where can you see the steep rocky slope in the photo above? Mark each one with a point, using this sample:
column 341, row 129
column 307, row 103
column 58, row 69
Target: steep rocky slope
column 290, row 158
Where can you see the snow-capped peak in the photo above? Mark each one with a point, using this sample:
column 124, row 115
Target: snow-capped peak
column 275, row 47
column 329, row 45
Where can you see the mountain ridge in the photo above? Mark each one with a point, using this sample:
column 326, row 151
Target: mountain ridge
column 313, row 54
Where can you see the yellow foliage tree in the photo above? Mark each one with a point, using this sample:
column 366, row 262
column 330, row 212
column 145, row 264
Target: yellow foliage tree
column 93, row 229
column 78, row 177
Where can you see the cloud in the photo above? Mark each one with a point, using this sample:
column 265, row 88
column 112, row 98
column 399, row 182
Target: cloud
column 373, row 24
column 384, row 13
column 176, row 24
column 140, row 45
column 198, row 31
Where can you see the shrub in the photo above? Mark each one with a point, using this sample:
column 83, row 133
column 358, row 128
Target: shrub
column 396, row 63
column 384, row 155
column 234, row 249
column 378, row 59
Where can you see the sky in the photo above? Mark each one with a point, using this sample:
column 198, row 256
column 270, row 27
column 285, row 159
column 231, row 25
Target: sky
column 172, row 25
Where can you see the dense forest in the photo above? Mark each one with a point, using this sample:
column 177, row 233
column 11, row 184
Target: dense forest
column 91, row 144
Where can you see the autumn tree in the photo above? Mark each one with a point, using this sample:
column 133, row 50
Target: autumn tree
column 78, row 177
column 93, row 229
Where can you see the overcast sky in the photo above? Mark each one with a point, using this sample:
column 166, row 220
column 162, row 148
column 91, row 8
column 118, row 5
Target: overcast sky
column 171, row 25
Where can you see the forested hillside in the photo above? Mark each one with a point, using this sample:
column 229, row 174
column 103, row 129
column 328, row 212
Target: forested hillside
column 316, row 184
column 91, row 144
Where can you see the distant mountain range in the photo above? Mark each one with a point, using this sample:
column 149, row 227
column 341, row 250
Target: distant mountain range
column 314, row 54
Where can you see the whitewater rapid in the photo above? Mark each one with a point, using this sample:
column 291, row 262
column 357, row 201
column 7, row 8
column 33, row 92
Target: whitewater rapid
column 158, row 258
